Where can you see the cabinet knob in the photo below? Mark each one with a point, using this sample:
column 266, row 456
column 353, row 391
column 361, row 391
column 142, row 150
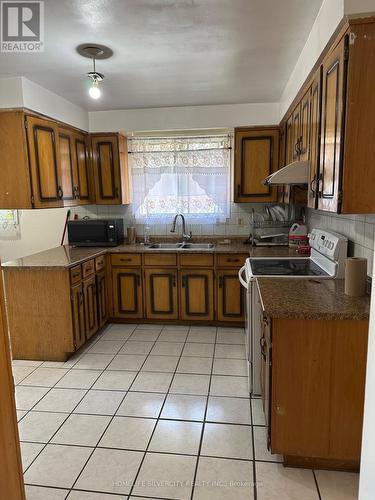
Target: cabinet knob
column 60, row 192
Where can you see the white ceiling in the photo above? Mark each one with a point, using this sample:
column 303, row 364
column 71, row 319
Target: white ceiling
column 170, row 52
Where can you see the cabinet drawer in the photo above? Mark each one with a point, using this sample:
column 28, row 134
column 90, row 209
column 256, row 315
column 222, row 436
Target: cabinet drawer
column 231, row 260
column 88, row 268
column 100, row 263
column 75, row 275
column 197, row 260
column 161, row 259
column 126, row 259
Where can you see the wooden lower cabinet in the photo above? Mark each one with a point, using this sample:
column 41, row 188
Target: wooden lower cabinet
column 197, row 294
column 127, row 293
column 161, row 293
column 78, row 316
column 102, row 293
column 91, row 305
column 230, row 296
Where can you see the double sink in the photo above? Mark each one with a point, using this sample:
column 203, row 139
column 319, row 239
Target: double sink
column 180, row 246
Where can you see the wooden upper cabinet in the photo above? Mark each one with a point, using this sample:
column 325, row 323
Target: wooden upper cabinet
column 44, row 158
column 66, row 165
column 305, row 126
column 161, row 293
column 314, row 140
column 333, row 74
column 197, row 294
column 256, row 156
column 110, row 166
column 83, row 181
column 296, row 134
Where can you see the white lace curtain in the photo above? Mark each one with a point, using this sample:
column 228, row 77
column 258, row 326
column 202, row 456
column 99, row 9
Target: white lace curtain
column 188, row 175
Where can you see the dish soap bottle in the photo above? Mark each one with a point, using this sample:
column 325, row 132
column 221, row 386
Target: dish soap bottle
column 298, row 235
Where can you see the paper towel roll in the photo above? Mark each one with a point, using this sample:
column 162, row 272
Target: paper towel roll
column 355, row 276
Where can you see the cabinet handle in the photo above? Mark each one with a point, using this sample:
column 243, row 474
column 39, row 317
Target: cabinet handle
column 320, row 187
column 233, row 260
column 138, row 280
column 263, row 347
column 116, row 192
column 313, row 185
column 183, row 284
column 238, row 190
column 75, row 275
column 173, row 281
column 78, row 192
column 80, row 298
column 126, row 260
column 221, row 282
column 60, row 192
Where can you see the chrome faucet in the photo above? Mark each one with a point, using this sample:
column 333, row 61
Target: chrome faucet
column 185, row 236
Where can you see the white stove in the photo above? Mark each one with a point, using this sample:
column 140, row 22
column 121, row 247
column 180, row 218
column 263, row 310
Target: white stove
column 327, row 261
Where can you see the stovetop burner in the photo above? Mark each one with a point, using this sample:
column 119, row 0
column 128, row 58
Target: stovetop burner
column 285, row 267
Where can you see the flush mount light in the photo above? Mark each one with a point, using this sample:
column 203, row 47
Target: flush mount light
column 94, row 52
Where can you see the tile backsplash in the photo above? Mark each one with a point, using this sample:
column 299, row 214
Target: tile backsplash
column 359, row 229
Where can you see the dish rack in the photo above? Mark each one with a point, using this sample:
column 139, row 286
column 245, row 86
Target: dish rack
column 268, row 232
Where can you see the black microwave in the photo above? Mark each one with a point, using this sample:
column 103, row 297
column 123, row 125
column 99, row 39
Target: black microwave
column 95, row 232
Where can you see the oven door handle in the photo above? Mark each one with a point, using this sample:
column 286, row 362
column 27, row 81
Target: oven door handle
column 242, row 281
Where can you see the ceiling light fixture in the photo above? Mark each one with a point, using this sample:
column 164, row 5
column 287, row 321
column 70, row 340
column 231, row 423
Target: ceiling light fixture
column 94, row 52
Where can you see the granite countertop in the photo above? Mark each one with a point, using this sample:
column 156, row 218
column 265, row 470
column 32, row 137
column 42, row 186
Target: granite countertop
column 296, row 298
column 66, row 256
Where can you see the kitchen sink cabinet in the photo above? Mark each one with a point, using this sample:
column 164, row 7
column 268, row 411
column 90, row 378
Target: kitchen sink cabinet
column 230, row 297
column 110, row 167
column 78, row 316
column 102, row 293
column 256, row 156
column 127, row 289
column 197, row 294
column 161, row 293
column 90, row 299
column 313, row 374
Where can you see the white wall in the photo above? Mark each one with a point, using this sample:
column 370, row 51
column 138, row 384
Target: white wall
column 367, row 476
column 327, row 20
column 184, row 117
column 11, row 95
column 359, row 7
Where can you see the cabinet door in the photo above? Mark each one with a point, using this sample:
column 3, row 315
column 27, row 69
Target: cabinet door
column 67, row 168
column 101, row 285
column 78, row 316
column 197, row 294
column 296, row 133
column 106, row 163
column 305, row 127
column 161, row 293
column 314, row 140
column 43, row 139
column 82, row 168
column 91, row 307
column 230, row 296
column 332, row 122
column 127, row 293
column 256, row 156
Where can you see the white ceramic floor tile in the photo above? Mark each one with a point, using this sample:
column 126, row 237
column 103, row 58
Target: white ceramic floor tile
column 203, row 329
column 29, row 451
column 79, row 379
column 228, row 337
column 39, row 427
column 21, row 372
column 100, row 402
column 181, row 407
column 60, row 400
column 190, row 384
column 260, row 446
column 117, row 335
column 160, row 364
column 198, row 349
column 230, row 351
column 205, row 337
column 230, row 367
column 167, row 348
column 141, row 404
column 276, row 482
column 337, row 485
column 144, row 335
column 110, row 471
column 115, row 380
column 57, row 466
column 223, row 479
column 106, row 347
column 172, row 336
column 190, row 364
column 229, row 441
column 166, row 476
column 171, row 436
column 228, row 329
column 128, row 433
column 222, row 385
column 85, row 495
column 81, row 430
column 20, row 414
column 152, row 382
column 93, row 361
column 258, row 413
column 150, row 327
column 26, row 362
column 176, row 328
column 61, row 364
column 27, row 397
column 44, row 377
column 135, row 347
column 127, row 362
column 234, row 410
column 40, row 493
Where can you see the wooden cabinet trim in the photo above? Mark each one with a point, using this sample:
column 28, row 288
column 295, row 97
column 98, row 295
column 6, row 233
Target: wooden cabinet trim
column 185, row 284
column 79, row 176
column 223, row 278
column 126, row 259
column 114, row 194
column 64, row 197
column 75, row 274
column 135, row 276
column 268, row 138
column 88, row 268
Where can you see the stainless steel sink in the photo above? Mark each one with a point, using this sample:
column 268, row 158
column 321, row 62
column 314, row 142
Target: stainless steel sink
column 198, row 246
column 165, row 246
column 180, row 246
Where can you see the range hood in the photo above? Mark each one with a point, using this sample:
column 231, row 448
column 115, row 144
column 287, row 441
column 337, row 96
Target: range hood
column 294, row 173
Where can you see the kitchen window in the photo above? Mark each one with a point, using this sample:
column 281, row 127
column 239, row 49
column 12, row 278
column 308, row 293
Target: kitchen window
column 188, row 174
